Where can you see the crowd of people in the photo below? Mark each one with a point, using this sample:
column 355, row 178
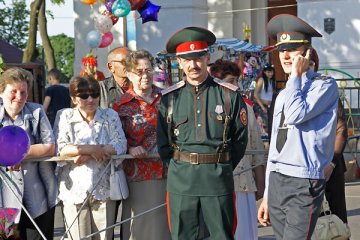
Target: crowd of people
column 200, row 128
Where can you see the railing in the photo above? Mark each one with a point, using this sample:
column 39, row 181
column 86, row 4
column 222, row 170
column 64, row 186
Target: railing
column 3, row 177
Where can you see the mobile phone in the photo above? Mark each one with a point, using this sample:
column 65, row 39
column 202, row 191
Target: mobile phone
column 311, row 52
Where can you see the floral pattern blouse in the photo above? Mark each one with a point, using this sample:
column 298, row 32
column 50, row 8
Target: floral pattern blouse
column 70, row 128
column 245, row 182
column 139, row 120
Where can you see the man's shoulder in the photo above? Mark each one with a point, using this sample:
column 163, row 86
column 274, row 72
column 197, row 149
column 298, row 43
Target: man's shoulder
column 108, row 82
column 172, row 88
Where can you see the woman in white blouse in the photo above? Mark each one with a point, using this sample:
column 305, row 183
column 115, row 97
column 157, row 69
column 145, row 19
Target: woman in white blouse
column 91, row 135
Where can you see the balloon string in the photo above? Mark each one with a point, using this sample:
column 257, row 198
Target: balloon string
column 4, row 177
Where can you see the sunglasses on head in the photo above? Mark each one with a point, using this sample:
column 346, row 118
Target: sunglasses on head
column 85, row 96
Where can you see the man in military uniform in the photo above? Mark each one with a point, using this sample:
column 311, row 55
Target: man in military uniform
column 202, row 133
column 113, row 87
column 303, row 135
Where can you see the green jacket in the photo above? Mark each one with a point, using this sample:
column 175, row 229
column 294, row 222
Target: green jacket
column 197, row 128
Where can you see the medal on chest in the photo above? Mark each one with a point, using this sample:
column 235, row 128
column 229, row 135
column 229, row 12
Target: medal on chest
column 219, row 110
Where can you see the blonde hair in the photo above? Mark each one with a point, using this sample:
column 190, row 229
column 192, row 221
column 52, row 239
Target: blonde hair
column 13, row 75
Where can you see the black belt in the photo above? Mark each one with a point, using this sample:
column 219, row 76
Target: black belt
column 201, row 158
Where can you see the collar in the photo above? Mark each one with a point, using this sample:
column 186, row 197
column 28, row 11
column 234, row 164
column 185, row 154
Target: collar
column 130, row 94
column 199, row 88
column 24, row 115
column 308, row 76
column 99, row 116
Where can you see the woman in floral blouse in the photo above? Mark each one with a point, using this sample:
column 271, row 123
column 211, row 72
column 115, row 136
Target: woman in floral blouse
column 91, row 135
column 138, row 109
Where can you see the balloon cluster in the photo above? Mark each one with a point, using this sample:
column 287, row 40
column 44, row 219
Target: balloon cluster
column 110, row 13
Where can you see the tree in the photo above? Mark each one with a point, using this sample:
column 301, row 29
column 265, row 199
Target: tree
column 13, row 23
column 64, row 51
column 38, row 18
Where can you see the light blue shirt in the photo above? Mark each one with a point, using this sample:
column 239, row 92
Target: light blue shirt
column 36, row 183
column 310, row 103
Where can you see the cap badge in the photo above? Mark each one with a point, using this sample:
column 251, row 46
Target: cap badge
column 192, row 47
column 285, row 37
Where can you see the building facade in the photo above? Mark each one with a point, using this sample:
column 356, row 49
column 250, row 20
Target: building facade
column 336, row 20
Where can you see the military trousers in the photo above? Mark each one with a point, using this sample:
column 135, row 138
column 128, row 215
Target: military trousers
column 218, row 212
column 294, row 205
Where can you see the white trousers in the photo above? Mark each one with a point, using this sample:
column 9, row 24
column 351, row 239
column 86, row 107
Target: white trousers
column 95, row 215
column 247, row 226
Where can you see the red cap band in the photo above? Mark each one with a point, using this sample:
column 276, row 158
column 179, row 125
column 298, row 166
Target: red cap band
column 189, row 47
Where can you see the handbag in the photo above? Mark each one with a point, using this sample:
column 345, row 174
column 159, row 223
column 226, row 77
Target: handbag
column 330, row 226
column 118, row 184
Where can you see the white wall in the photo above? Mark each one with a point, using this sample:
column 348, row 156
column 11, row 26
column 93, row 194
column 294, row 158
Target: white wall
column 173, row 16
column 341, row 49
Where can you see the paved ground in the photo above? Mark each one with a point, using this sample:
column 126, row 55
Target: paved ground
column 265, row 233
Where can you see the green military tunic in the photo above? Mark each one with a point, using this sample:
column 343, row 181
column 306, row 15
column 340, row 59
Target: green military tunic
column 198, row 126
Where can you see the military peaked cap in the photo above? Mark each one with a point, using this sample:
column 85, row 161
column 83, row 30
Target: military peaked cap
column 190, row 42
column 290, row 31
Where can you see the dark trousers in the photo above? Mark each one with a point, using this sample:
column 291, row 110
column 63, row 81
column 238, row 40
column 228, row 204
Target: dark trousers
column 218, row 211
column 294, row 205
column 45, row 222
column 335, row 193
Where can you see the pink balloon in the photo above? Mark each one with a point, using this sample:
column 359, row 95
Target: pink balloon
column 106, row 39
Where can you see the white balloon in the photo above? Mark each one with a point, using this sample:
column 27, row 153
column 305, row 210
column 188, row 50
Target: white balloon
column 103, row 23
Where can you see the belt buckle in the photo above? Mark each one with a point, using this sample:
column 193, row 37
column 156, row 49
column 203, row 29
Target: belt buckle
column 193, row 158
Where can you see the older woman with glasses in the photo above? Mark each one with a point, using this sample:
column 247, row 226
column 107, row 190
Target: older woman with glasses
column 138, row 109
column 91, row 135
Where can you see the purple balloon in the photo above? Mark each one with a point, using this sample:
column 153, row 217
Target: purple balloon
column 108, row 4
column 149, row 12
column 14, row 145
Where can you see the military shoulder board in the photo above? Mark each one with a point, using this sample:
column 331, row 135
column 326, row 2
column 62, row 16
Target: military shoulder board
column 173, row 87
column 226, row 84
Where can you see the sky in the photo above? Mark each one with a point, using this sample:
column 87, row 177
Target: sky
column 63, row 21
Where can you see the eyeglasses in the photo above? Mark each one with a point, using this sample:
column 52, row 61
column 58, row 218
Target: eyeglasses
column 85, row 96
column 141, row 73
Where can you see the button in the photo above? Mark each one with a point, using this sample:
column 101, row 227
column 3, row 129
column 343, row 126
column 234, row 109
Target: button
column 199, row 125
column 197, row 98
column 198, row 111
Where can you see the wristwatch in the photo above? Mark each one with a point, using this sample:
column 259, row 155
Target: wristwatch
column 332, row 164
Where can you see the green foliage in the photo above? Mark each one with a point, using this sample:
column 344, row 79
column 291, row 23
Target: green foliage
column 64, row 51
column 14, row 22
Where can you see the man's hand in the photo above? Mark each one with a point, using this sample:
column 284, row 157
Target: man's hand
column 138, row 152
column 328, row 171
column 300, row 64
column 263, row 213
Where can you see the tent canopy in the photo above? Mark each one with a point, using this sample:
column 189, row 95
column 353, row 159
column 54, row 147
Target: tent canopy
column 237, row 45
